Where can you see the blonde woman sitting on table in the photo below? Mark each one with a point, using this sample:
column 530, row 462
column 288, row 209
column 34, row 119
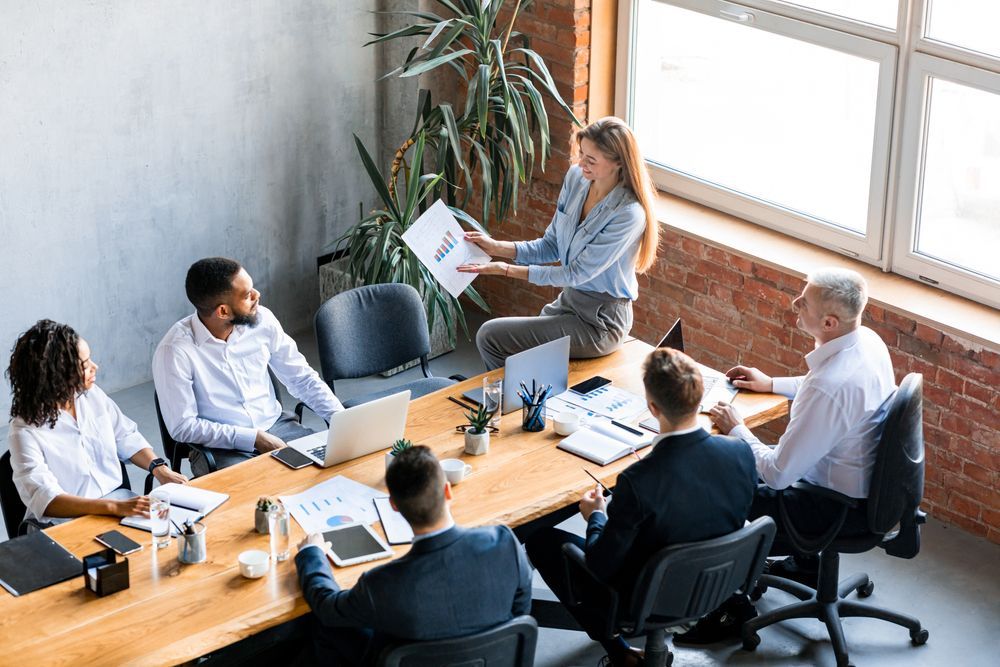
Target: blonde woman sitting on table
column 66, row 436
column 602, row 234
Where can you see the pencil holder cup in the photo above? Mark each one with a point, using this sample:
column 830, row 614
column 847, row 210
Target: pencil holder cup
column 192, row 547
column 533, row 416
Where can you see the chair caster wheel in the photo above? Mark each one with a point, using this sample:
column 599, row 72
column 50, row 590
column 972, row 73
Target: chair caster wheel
column 867, row 589
column 919, row 637
column 670, row 660
column 751, row 642
column 758, row 592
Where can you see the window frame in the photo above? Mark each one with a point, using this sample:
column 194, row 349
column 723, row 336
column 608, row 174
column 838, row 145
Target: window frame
column 897, row 149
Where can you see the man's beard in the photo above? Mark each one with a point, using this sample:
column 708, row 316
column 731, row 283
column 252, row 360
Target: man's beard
column 249, row 320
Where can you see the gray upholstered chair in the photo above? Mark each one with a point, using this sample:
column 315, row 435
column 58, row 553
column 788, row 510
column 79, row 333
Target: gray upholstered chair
column 510, row 644
column 894, row 520
column 372, row 329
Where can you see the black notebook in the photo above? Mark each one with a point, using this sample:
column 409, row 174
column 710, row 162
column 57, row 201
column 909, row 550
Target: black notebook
column 35, row 561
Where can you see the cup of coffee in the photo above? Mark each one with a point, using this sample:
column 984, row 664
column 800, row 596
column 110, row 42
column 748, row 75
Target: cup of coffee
column 566, row 423
column 455, row 470
column 254, row 563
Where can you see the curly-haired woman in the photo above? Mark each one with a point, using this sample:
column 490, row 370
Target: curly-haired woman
column 66, row 436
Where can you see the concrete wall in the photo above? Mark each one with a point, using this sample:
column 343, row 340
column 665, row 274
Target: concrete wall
column 138, row 136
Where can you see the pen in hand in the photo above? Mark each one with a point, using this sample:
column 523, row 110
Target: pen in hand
column 606, row 489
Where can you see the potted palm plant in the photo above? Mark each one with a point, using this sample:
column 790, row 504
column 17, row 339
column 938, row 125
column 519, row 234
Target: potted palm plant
column 483, row 145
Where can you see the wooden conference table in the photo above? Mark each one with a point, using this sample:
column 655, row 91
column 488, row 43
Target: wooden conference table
column 173, row 613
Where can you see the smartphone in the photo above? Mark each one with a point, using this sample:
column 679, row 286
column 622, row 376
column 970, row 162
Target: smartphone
column 590, row 385
column 292, row 458
column 120, row 543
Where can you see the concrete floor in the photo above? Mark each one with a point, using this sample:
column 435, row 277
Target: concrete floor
column 952, row 586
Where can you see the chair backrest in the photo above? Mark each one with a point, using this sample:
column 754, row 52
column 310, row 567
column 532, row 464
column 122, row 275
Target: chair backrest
column 175, row 451
column 897, row 484
column 510, row 644
column 370, row 329
column 686, row 581
column 13, row 509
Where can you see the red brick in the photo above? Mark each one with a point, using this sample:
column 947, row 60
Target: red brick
column 978, row 473
column 974, row 371
column 985, row 395
column 928, row 334
column 966, row 507
column 901, row 322
column 875, row 313
column 954, row 424
column 948, row 380
column 977, row 412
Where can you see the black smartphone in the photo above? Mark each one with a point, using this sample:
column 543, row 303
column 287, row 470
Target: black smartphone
column 590, row 385
column 292, row 458
column 120, row 543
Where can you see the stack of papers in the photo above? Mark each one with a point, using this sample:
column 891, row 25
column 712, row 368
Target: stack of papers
column 607, row 401
column 603, row 442
column 186, row 502
column 332, row 503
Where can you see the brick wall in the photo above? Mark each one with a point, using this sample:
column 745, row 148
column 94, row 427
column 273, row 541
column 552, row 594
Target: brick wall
column 737, row 310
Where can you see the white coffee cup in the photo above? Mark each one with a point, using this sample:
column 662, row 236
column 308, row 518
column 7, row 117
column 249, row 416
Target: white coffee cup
column 254, row 563
column 455, row 470
column 566, row 423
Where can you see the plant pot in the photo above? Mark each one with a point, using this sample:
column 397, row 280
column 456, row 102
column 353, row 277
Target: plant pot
column 334, row 279
column 260, row 521
column 477, row 444
column 389, row 458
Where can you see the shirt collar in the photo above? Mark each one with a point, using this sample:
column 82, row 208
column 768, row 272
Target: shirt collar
column 426, row 536
column 202, row 334
column 682, row 432
column 816, row 358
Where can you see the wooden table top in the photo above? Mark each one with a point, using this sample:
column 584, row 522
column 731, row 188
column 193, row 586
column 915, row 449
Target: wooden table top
column 173, row 613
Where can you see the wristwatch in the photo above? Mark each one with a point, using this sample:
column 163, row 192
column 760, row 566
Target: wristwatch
column 156, row 463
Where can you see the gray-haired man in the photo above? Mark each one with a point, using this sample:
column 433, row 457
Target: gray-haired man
column 834, row 426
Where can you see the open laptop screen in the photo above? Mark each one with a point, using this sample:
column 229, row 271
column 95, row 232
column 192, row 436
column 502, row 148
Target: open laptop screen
column 674, row 337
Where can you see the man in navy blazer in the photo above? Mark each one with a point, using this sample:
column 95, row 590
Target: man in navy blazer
column 453, row 582
column 692, row 486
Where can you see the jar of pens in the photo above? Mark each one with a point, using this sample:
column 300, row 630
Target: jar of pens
column 191, row 545
column 533, row 406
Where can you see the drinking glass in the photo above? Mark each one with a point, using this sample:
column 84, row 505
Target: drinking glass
column 493, row 399
column 159, row 518
column 277, row 525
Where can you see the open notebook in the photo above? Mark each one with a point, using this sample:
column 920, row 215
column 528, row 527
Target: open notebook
column 186, row 502
column 602, row 442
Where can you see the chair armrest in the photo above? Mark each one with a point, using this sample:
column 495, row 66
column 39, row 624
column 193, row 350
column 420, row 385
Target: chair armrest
column 586, row 588
column 148, row 485
column 814, row 544
column 457, row 377
column 207, row 453
column 904, row 542
column 302, row 407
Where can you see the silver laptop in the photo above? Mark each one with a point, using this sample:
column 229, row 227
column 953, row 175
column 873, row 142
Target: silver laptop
column 357, row 431
column 717, row 386
column 544, row 364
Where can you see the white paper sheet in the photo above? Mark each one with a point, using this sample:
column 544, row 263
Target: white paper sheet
column 397, row 530
column 607, row 401
column 335, row 502
column 439, row 243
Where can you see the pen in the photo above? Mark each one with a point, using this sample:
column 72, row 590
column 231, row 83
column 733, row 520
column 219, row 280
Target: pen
column 631, row 430
column 634, row 453
column 458, row 402
column 598, row 481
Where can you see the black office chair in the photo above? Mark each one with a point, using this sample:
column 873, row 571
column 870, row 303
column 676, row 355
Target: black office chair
column 13, row 509
column 371, row 329
column 894, row 519
column 510, row 644
column 679, row 584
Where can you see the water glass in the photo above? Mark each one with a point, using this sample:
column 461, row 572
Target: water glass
column 159, row 519
column 493, row 399
column 277, row 525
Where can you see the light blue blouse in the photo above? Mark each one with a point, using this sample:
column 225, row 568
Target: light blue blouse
column 596, row 255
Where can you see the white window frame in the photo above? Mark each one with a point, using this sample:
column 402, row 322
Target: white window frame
column 906, row 59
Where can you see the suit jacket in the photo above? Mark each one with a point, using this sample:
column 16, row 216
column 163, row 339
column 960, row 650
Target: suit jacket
column 456, row 583
column 691, row 487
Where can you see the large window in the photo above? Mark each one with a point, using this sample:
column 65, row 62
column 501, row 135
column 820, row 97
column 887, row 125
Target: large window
column 871, row 127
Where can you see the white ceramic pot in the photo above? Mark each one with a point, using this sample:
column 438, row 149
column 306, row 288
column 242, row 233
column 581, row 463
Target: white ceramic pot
column 477, row 444
column 389, row 458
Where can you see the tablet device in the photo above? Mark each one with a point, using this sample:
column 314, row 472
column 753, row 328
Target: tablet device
column 355, row 543
column 292, row 458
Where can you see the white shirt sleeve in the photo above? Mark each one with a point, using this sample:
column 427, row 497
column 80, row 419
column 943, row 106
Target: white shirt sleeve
column 787, row 386
column 815, row 427
column 128, row 440
column 35, row 482
column 174, row 380
column 298, row 376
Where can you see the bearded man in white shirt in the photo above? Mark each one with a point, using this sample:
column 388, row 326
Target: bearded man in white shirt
column 211, row 371
column 835, row 422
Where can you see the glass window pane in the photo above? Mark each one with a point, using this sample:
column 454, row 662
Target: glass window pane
column 971, row 24
column 769, row 116
column 877, row 12
column 959, row 216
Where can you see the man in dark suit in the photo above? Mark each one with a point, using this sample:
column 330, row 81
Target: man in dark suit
column 453, row 582
column 692, row 486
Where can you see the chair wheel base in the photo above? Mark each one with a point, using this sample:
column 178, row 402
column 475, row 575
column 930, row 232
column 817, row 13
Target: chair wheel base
column 758, row 592
column 866, row 589
column 919, row 637
column 751, row 642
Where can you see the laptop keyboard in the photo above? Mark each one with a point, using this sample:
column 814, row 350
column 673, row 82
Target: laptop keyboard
column 318, row 452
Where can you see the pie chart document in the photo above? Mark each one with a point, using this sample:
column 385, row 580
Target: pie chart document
column 332, row 503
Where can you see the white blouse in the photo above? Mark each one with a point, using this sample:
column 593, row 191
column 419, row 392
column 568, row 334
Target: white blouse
column 79, row 457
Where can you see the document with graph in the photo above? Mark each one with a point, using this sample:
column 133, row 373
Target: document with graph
column 439, row 243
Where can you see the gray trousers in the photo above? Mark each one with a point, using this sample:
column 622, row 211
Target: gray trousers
column 287, row 428
column 596, row 324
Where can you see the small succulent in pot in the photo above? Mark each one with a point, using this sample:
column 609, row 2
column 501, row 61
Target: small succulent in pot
column 477, row 433
column 398, row 447
column 264, row 503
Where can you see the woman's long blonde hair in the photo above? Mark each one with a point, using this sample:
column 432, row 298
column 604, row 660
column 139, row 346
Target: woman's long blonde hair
column 615, row 140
